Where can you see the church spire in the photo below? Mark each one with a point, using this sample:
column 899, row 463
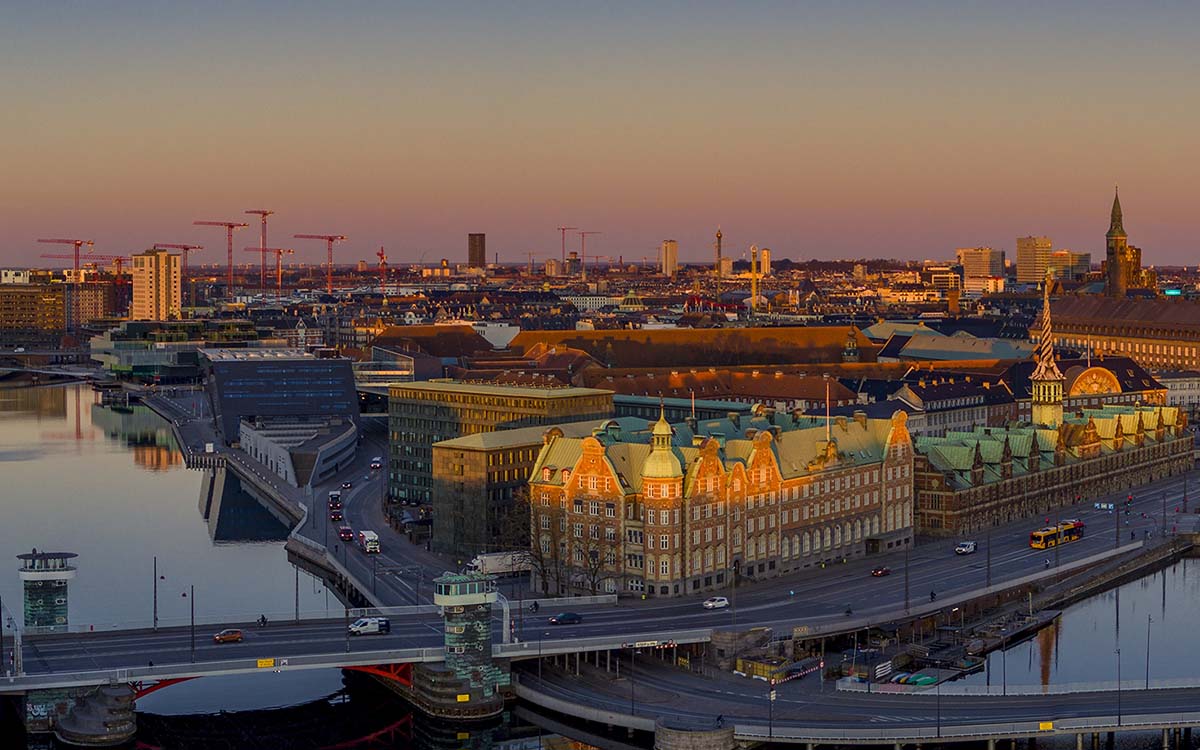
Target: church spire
column 1046, row 368
column 1115, row 227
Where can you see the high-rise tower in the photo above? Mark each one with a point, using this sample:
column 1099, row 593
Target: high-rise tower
column 1117, row 250
column 717, row 269
column 1047, row 379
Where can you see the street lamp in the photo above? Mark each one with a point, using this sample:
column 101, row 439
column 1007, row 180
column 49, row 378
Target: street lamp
column 771, row 709
column 190, row 595
column 157, row 578
column 1149, row 619
column 1118, row 652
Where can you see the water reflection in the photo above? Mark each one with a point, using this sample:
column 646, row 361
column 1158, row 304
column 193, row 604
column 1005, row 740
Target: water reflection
column 147, row 435
column 1151, row 621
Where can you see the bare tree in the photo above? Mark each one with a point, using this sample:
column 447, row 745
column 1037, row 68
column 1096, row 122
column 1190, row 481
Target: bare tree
column 547, row 534
column 596, row 562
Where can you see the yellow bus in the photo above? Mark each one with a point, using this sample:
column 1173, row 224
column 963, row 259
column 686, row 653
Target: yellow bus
column 1052, row 536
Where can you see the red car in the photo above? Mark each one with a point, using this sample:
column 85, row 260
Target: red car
column 346, row 534
column 230, row 635
column 881, row 571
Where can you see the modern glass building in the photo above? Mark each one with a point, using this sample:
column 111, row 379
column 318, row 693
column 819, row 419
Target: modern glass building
column 245, row 383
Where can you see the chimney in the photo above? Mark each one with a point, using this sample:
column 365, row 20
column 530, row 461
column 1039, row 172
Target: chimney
column 840, row 421
column 735, row 418
column 860, row 417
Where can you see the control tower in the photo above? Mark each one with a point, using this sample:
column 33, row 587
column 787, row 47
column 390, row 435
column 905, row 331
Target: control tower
column 44, row 576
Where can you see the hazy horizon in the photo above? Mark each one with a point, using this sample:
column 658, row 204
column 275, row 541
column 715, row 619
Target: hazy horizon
column 872, row 130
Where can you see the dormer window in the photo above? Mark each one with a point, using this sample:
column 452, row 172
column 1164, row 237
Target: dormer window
column 546, row 473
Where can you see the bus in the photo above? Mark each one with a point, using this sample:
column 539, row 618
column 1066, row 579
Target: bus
column 1069, row 530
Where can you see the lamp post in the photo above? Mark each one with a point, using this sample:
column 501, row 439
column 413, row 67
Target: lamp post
column 155, row 620
column 190, row 595
column 1118, row 652
column 632, row 681
column 1149, row 619
column 771, row 709
column 907, row 547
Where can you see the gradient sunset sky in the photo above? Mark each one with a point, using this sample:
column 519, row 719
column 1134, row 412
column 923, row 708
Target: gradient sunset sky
column 830, row 130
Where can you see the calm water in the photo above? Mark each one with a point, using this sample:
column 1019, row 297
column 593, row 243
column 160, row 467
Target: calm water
column 1082, row 644
column 111, row 486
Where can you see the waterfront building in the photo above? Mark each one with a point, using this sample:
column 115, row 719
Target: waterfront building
column 968, row 480
column 32, row 313
column 156, row 286
column 168, row 351
column 476, row 250
column 244, row 384
column 669, row 510
column 1033, row 258
column 301, row 450
column 478, row 481
column 44, row 579
column 423, row 413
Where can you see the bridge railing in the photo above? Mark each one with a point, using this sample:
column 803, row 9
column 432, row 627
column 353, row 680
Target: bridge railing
column 549, row 647
column 263, row 662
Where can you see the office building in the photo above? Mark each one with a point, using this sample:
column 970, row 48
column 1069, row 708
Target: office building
column 1160, row 334
column 156, row 286
column 14, row 276
column 1033, row 257
column 32, row 313
column 669, row 510
column 244, row 384
column 423, row 413
column 670, row 257
column 1069, row 265
column 980, row 262
column 476, row 250
column 764, row 261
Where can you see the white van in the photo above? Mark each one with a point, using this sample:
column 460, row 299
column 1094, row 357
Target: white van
column 371, row 626
column 368, row 541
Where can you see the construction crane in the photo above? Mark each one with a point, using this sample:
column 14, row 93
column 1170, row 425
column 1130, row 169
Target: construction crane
column 262, row 247
column 279, row 253
column 230, row 226
column 183, row 266
column 74, row 318
column 583, row 252
column 329, row 240
column 382, row 255
column 563, row 243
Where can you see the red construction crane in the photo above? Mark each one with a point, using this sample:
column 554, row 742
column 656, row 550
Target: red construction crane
column 583, row 252
column 73, row 318
column 562, row 231
column 329, row 240
column 279, row 253
column 382, row 272
column 183, row 267
column 230, row 226
column 262, row 247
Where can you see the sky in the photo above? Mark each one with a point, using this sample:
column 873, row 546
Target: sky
column 820, row 130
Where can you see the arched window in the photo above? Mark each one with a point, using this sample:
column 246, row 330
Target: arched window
column 837, row 536
column 807, row 543
column 828, row 539
column 786, row 548
column 857, row 530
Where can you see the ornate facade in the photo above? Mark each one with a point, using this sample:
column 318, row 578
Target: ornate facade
column 675, row 510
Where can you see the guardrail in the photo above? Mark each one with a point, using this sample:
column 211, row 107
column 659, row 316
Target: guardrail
column 260, row 663
column 545, row 647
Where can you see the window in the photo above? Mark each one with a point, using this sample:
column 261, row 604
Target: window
column 610, row 510
column 545, row 522
column 651, row 516
column 664, row 541
column 610, row 534
column 577, row 530
column 664, row 568
column 594, row 508
column 594, row 531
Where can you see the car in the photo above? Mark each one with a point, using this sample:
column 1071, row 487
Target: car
column 346, row 485
column 370, row 626
column 566, row 618
column 881, row 571
column 716, row 602
column 965, row 548
column 376, row 463
column 335, row 503
column 335, row 516
column 229, row 635
column 345, row 533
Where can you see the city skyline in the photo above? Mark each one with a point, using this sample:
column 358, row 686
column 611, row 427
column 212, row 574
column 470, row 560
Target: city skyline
column 856, row 132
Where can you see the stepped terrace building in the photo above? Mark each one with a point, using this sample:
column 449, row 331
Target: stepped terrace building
column 670, row 510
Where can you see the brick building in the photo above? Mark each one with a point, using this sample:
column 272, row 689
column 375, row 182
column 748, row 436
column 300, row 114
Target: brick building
column 674, row 510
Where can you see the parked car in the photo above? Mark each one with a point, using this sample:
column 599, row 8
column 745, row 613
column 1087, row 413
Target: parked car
column 716, row 602
column 345, row 533
column 566, row 618
column 229, row 635
column 881, row 571
column 965, row 548
column 371, row 626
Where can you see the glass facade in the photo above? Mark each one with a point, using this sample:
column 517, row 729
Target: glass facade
column 280, row 386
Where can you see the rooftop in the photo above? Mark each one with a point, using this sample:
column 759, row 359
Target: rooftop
column 531, row 435
column 254, row 355
column 487, row 389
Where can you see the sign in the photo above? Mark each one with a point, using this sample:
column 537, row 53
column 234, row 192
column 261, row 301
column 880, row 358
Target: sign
column 464, row 697
column 773, row 695
column 1045, row 726
column 266, row 663
column 645, row 644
